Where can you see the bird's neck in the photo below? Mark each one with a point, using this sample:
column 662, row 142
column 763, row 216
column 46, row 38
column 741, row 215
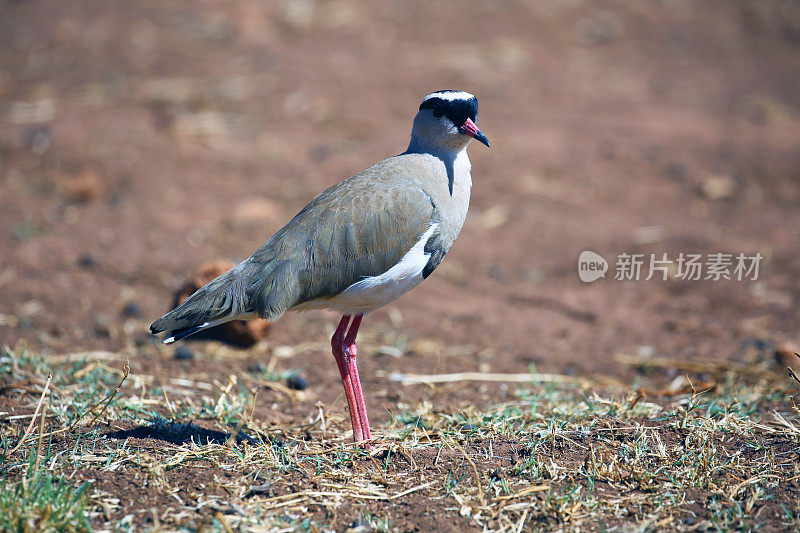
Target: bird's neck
column 423, row 144
column 455, row 159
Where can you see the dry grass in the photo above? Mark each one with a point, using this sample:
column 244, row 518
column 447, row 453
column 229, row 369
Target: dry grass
column 558, row 456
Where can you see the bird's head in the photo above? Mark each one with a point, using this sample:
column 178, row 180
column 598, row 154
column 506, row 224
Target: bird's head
column 448, row 119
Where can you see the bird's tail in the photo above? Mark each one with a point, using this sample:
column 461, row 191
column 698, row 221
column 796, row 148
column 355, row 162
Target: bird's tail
column 221, row 300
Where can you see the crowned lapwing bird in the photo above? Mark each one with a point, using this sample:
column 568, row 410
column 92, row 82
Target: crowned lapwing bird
column 357, row 246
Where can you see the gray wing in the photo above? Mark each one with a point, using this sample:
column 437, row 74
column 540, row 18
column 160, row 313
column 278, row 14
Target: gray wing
column 359, row 228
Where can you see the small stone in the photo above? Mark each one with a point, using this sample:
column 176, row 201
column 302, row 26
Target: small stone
column 762, row 344
column 86, row 261
column 130, row 310
column 183, row 353
column 296, row 382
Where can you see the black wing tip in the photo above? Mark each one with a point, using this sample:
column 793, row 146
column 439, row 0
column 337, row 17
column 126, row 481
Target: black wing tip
column 178, row 334
column 159, row 326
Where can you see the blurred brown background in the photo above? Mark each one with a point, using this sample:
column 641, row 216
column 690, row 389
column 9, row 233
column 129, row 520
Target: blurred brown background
column 140, row 139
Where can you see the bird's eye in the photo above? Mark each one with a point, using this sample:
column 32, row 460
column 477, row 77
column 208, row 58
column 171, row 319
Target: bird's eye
column 438, row 112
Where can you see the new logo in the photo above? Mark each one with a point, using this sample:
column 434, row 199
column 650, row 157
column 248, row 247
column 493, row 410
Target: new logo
column 591, row 266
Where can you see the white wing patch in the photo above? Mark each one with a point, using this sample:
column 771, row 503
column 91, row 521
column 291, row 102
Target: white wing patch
column 371, row 293
column 457, row 95
column 204, row 325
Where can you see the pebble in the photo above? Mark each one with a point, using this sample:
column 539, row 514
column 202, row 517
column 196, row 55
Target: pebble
column 296, row 382
column 183, row 353
column 86, row 261
column 131, row 309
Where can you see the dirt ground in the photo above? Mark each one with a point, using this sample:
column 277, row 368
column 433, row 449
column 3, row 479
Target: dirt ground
column 141, row 139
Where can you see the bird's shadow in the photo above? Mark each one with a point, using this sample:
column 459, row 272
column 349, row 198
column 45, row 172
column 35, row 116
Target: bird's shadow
column 179, row 433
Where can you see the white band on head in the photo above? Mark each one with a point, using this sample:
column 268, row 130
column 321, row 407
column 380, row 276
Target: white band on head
column 450, row 96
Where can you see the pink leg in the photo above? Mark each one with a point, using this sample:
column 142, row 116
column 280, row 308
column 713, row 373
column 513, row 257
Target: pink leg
column 337, row 346
column 352, row 370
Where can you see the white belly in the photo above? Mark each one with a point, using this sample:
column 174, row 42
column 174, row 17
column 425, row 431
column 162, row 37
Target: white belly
column 371, row 293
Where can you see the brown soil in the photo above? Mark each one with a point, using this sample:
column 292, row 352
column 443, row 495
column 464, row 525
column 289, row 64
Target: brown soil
column 139, row 140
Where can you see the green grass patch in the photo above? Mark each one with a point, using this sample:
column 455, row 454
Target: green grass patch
column 39, row 500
